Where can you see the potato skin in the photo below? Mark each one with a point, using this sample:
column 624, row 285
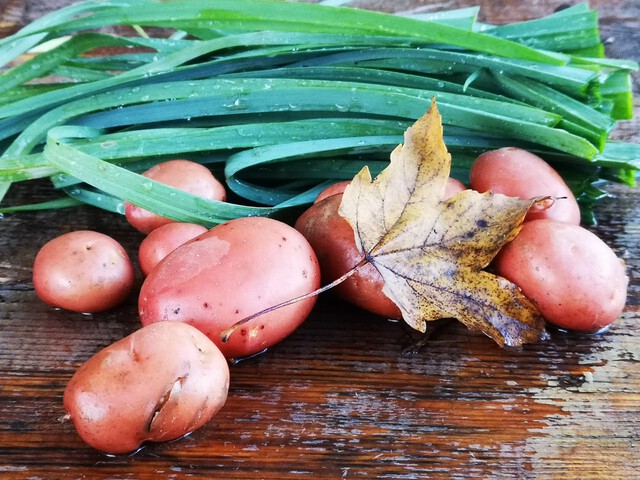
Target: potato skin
column 518, row 173
column 157, row 384
column 164, row 240
column 573, row 277
column 185, row 175
column 234, row 270
column 453, row 187
column 83, row 271
column 333, row 189
column 332, row 238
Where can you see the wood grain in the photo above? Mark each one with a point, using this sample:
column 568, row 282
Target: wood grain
column 339, row 399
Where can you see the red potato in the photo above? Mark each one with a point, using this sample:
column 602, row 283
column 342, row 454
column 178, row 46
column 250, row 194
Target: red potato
column 181, row 174
column 573, row 277
column 83, row 271
column 332, row 238
column 164, row 240
column 517, row 173
column 159, row 383
column 453, row 187
column 334, row 189
column 235, row 270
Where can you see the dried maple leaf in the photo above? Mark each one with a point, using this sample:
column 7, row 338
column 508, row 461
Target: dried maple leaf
column 432, row 252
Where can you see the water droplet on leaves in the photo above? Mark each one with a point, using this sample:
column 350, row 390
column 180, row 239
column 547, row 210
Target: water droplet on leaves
column 237, row 104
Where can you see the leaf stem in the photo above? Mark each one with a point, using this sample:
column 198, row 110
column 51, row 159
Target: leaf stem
column 226, row 333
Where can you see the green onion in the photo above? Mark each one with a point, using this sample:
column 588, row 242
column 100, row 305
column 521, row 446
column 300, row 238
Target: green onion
column 567, row 30
column 282, row 98
column 167, row 201
column 255, row 15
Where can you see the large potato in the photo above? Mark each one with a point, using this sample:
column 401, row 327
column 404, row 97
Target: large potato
column 235, row 270
column 159, row 383
column 83, row 271
column 518, row 173
column 573, row 277
column 332, row 238
column 184, row 175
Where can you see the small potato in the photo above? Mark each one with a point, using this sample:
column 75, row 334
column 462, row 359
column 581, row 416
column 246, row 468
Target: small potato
column 83, row 271
column 332, row 238
column 181, row 174
column 159, row 383
column 573, row 277
column 164, row 240
column 517, row 173
column 235, row 270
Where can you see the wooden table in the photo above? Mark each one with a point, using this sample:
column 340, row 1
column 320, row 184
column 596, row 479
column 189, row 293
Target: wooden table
column 338, row 399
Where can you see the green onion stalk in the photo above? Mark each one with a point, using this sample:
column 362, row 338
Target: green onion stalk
column 284, row 98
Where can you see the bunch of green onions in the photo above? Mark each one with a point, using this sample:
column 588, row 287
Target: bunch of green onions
column 283, row 98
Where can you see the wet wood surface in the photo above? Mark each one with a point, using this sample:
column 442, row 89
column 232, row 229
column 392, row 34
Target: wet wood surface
column 339, row 398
